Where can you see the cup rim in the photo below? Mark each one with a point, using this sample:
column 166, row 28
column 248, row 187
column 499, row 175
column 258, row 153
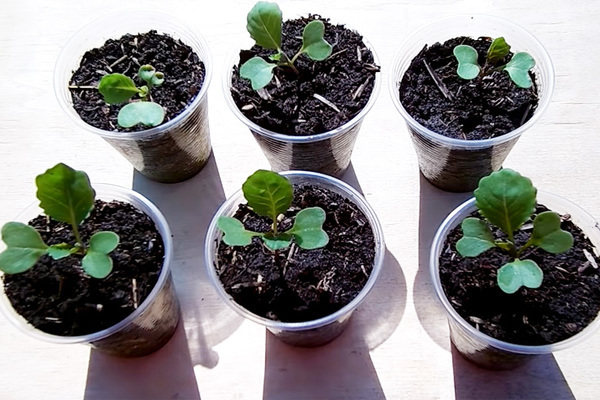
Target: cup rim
column 544, row 62
column 141, row 203
column 64, row 61
column 213, row 234
column 233, row 59
column 451, row 221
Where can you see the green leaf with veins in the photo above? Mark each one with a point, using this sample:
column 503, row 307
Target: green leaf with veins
column 519, row 273
column 97, row 263
column 234, row 232
column 58, row 251
column 264, row 25
column 24, row 247
column 477, row 238
column 518, row 69
column 506, row 199
column 497, row 51
column 65, row 194
column 146, row 113
column 313, row 43
column 258, row 71
column 467, row 61
column 117, row 88
column 308, row 228
column 548, row 235
column 268, row 193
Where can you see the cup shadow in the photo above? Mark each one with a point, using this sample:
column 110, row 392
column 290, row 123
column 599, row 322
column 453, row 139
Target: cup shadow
column 342, row 369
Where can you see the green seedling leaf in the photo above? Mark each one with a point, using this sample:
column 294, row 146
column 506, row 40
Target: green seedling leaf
column 258, row 71
column 548, row 235
column 518, row 69
column 477, row 238
column 519, row 273
column 158, row 79
column 234, row 232
column 281, row 241
column 146, row 73
column 467, row 61
column 313, row 43
column 24, row 247
column 146, row 113
column 497, row 51
column 264, row 25
column 58, row 251
column 268, row 193
column 97, row 263
column 506, row 199
column 117, row 88
column 65, row 194
column 308, row 228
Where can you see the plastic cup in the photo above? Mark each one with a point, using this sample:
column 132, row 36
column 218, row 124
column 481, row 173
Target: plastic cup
column 478, row 347
column 307, row 333
column 328, row 152
column 457, row 165
column 151, row 325
column 171, row 152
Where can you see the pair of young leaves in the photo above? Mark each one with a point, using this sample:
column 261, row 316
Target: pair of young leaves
column 270, row 194
column 518, row 67
column 118, row 88
column 507, row 200
column 65, row 195
column 264, row 26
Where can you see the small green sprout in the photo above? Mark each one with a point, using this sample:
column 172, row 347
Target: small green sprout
column 65, row 195
column 264, row 26
column 270, row 194
column 507, row 200
column 118, row 88
column 518, row 67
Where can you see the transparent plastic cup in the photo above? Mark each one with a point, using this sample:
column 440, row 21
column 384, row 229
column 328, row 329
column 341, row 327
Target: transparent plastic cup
column 453, row 164
column 478, row 347
column 145, row 330
column 328, row 152
column 171, row 152
column 308, row 333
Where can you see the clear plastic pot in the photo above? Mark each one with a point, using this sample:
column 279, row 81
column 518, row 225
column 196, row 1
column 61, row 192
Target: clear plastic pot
column 478, row 347
column 171, row 152
column 328, row 152
column 151, row 325
column 453, row 164
column 308, row 333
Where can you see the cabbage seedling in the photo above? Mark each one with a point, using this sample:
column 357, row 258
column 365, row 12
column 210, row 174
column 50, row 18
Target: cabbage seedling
column 518, row 67
column 507, row 200
column 264, row 26
column 269, row 195
column 65, row 195
column 118, row 88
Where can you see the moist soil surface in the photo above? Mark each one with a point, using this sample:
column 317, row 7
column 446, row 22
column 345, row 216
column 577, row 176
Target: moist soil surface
column 482, row 108
column 183, row 70
column 566, row 302
column 288, row 104
column 57, row 297
column 294, row 284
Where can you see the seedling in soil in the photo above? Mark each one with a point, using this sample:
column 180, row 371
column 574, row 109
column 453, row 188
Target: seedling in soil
column 65, row 195
column 507, row 200
column 264, row 26
column 518, row 67
column 269, row 195
column 118, row 88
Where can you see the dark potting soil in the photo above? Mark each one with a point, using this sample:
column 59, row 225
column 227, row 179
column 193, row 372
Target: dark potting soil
column 183, row 70
column 57, row 297
column 566, row 302
column 294, row 284
column 288, row 104
column 482, row 108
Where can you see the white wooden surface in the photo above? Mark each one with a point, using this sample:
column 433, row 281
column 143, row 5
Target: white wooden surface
column 397, row 345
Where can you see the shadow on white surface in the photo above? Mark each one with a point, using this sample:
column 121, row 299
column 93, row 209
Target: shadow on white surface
column 342, row 369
